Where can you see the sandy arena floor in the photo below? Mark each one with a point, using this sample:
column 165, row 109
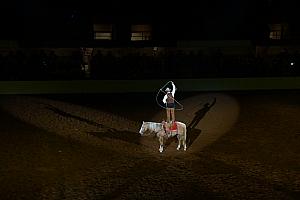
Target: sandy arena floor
column 87, row 146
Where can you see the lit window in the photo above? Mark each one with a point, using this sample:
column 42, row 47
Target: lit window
column 275, row 33
column 140, row 36
column 102, row 36
column 102, row 31
column 140, row 32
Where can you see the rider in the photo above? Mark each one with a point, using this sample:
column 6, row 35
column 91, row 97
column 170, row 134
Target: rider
column 170, row 103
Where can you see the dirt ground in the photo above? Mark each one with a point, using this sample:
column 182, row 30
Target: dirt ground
column 87, row 146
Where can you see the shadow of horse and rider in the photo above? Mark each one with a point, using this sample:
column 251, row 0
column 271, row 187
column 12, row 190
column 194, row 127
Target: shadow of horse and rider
column 198, row 116
column 102, row 131
column 132, row 137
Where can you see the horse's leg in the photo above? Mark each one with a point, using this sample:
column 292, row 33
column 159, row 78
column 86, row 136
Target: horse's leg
column 179, row 140
column 184, row 139
column 161, row 143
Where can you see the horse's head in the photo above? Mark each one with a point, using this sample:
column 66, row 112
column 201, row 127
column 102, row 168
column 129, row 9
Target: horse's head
column 143, row 128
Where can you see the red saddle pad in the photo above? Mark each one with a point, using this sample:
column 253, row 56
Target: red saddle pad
column 173, row 126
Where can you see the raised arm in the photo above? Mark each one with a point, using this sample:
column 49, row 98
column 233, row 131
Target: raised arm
column 173, row 90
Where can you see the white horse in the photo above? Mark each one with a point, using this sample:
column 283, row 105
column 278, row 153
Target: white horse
column 158, row 128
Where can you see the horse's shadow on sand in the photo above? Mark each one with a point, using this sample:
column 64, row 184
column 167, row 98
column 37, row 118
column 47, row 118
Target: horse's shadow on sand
column 106, row 131
column 125, row 136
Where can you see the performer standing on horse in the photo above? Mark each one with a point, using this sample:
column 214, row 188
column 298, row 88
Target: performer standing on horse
column 169, row 101
column 170, row 104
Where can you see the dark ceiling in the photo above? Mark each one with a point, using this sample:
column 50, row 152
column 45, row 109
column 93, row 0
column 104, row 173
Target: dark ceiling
column 211, row 14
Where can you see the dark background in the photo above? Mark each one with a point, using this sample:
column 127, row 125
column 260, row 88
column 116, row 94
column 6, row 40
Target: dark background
column 233, row 18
